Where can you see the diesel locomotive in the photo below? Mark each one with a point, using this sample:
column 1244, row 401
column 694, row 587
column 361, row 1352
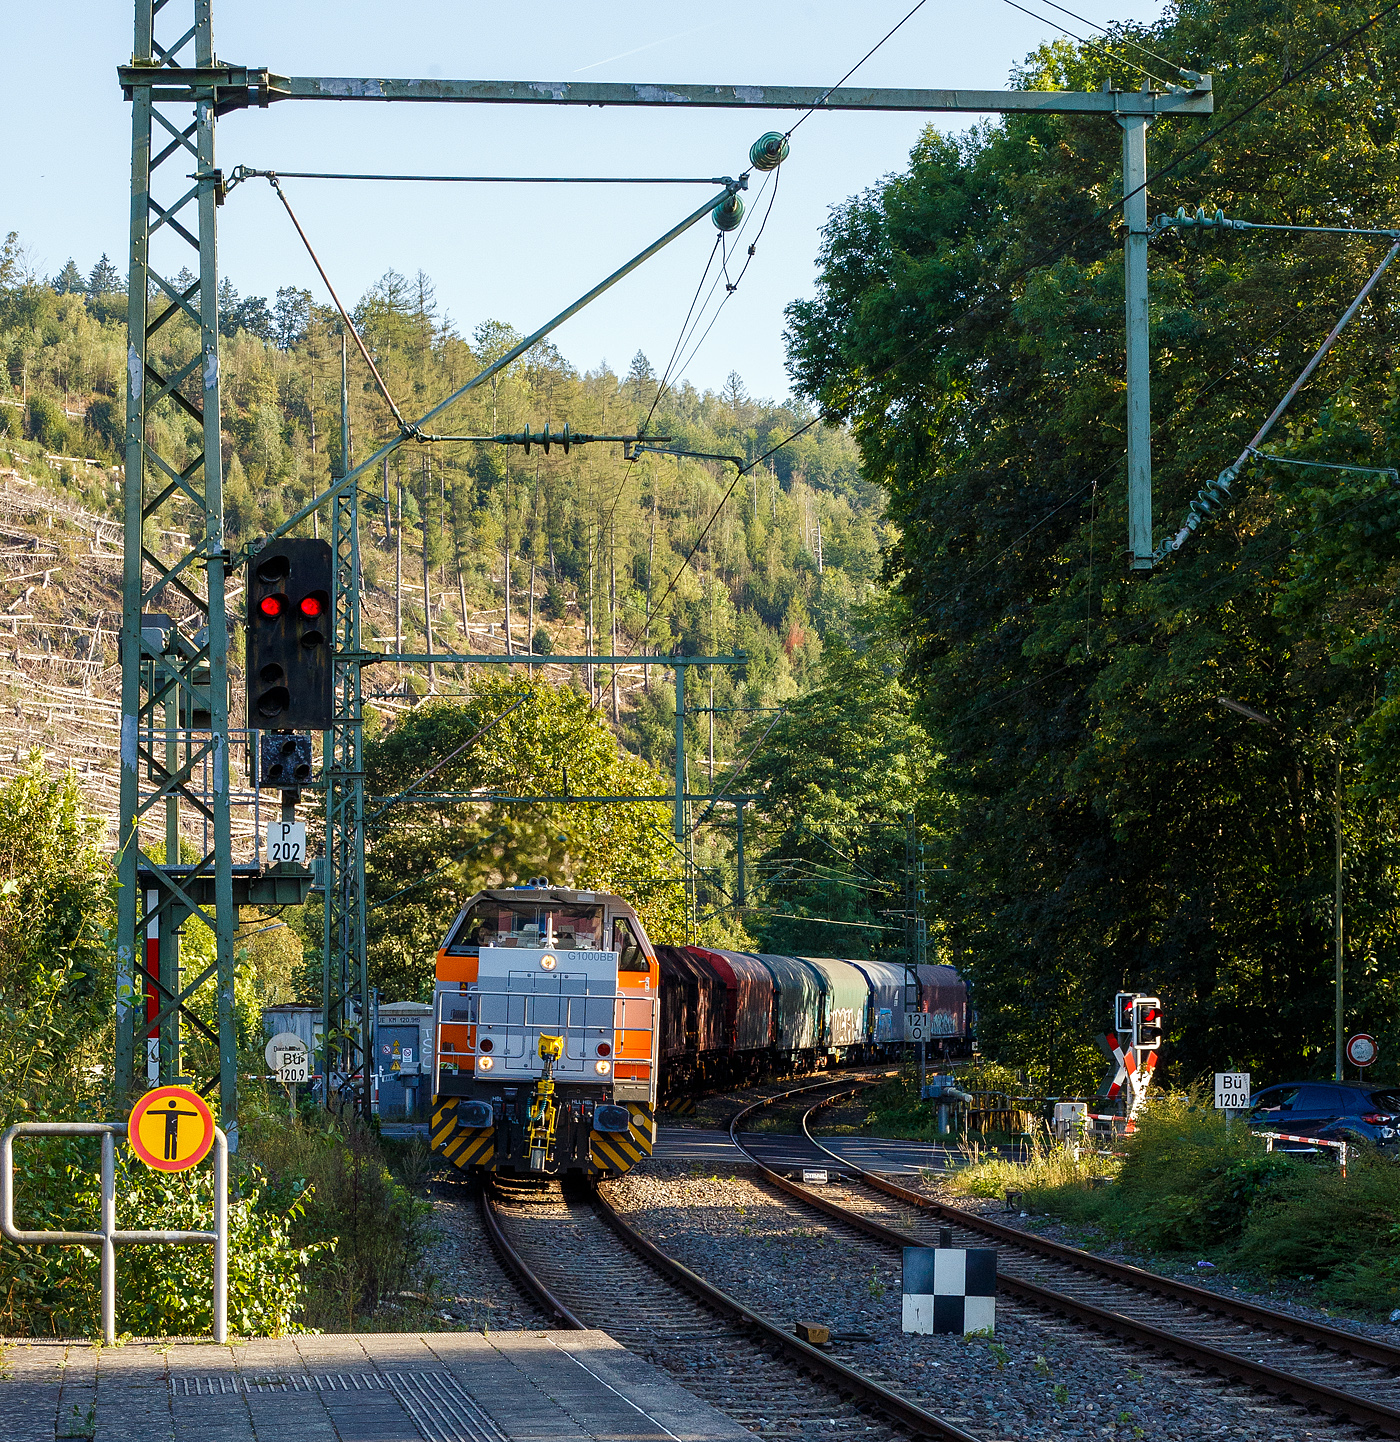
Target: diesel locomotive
column 558, row 1025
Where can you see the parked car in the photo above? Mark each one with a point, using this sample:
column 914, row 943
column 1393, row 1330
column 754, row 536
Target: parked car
column 1332, row 1111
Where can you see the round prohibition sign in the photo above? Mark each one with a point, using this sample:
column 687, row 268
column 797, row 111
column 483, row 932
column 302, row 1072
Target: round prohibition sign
column 1361, row 1049
column 171, row 1129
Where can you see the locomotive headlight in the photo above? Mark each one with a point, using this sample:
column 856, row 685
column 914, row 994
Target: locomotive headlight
column 602, row 1067
column 484, row 1063
column 548, row 963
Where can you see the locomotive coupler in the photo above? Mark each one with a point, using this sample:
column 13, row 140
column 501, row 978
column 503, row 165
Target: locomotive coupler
column 543, row 1108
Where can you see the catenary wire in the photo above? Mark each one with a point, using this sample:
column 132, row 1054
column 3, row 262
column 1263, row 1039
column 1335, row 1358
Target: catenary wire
column 668, row 376
column 1080, row 40
column 1054, row 252
column 822, row 101
column 1093, row 483
column 1151, row 621
column 404, row 427
column 1126, row 39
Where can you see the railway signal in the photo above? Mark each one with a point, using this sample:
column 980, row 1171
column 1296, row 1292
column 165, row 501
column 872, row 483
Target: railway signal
column 1131, row 1048
column 289, row 652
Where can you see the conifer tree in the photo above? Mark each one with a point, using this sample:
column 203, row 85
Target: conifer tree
column 69, row 281
column 105, row 279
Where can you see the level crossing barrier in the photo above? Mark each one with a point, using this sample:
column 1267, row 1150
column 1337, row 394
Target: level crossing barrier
column 108, row 1238
column 1339, row 1147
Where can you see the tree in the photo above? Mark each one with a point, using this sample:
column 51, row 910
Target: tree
column 1114, row 825
column 641, row 378
column 550, row 742
column 69, row 281
column 541, row 643
column 732, row 392
column 11, row 260
column 104, row 279
column 251, row 315
column 291, row 316
column 840, row 774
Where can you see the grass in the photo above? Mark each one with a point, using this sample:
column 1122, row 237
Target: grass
column 1189, row 1187
column 372, row 1212
column 1048, row 1168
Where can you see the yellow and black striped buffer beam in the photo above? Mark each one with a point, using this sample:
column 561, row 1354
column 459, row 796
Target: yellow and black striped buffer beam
column 462, row 1146
column 620, row 1152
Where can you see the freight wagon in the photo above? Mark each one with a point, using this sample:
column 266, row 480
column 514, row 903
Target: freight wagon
column 557, row 1025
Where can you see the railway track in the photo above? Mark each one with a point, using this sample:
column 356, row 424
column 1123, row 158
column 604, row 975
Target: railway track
column 564, row 1248
column 1334, row 1371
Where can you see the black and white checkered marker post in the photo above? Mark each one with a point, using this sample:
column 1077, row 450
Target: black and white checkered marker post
column 950, row 1289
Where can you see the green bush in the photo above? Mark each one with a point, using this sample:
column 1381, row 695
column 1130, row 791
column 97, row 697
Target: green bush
column 319, row 1228
column 353, row 1203
column 1315, row 1224
column 107, row 417
column 554, row 607
column 1190, row 1184
column 161, row 1291
column 47, row 423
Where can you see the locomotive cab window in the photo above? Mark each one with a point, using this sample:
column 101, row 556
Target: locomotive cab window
column 528, row 924
column 630, row 956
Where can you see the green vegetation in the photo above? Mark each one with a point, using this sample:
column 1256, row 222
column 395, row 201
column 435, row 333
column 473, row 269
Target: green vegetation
column 1188, row 1186
column 320, row 1228
column 1109, row 822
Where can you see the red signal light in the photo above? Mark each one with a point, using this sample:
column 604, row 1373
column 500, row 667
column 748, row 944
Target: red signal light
column 310, row 606
column 270, row 605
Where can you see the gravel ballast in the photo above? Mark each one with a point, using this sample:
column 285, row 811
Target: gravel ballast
column 1041, row 1377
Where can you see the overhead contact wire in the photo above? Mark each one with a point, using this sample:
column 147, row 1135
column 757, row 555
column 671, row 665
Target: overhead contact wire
column 1060, row 247
column 1127, row 39
column 1080, row 40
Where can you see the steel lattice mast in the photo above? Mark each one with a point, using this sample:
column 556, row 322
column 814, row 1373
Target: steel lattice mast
column 190, row 770
column 344, row 979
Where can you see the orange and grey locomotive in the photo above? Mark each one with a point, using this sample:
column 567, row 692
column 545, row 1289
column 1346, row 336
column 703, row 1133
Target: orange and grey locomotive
column 545, row 1057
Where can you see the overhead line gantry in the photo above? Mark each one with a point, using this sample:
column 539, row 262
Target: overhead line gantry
column 178, row 752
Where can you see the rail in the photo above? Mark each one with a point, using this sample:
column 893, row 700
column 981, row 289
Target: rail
column 109, row 1236
column 515, row 1264
column 1259, row 1374
column 847, row 1379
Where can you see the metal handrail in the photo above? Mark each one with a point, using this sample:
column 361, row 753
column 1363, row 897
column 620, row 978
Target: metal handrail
column 110, row 1235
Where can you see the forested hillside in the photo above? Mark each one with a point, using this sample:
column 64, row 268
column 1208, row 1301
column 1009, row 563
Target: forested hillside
column 580, row 547
column 515, row 551
column 1110, row 822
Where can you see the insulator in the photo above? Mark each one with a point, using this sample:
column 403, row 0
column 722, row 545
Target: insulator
column 525, row 439
column 1200, row 215
column 567, row 439
column 1220, row 219
column 728, row 213
column 1181, row 212
column 769, row 151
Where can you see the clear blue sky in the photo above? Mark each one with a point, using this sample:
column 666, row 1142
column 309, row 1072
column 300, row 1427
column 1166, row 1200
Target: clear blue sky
column 509, row 253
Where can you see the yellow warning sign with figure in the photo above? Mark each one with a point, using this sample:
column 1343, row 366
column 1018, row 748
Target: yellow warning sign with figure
column 171, row 1129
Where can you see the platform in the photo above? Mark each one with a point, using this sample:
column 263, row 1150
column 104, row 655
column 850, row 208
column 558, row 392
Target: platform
column 366, row 1387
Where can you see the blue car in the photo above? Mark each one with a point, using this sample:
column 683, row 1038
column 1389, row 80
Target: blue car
column 1331, row 1111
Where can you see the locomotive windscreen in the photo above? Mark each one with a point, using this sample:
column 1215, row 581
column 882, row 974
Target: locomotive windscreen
column 528, row 923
